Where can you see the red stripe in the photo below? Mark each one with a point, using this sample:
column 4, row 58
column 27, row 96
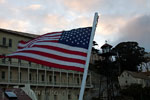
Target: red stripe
column 1, row 56
column 19, row 47
column 50, row 64
column 23, row 42
column 62, row 50
column 42, row 36
column 59, row 49
column 46, row 41
column 53, row 56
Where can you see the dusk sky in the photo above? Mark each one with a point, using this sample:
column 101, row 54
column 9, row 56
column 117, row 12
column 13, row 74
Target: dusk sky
column 119, row 20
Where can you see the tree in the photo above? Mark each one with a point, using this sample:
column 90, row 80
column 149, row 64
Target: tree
column 129, row 55
column 137, row 92
column 93, row 47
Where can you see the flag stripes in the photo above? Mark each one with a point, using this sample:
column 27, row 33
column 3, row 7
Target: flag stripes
column 48, row 50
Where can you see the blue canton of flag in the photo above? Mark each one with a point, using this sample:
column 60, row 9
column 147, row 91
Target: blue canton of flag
column 76, row 37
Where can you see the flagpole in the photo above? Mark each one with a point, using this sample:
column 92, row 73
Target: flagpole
column 88, row 57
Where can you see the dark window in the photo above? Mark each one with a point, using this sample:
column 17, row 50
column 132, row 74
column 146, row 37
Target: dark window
column 4, row 41
column 10, row 42
column 29, row 63
column 126, row 82
column 19, row 61
column 50, row 78
column 10, row 60
column 10, row 75
column 42, row 77
column 30, row 77
column 20, row 76
column 55, row 97
column 78, row 96
column 55, row 79
column 78, row 80
column 69, row 97
column 4, row 59
column 3, row 74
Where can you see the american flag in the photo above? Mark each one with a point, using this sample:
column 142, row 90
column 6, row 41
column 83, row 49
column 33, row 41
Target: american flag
column 66, row 49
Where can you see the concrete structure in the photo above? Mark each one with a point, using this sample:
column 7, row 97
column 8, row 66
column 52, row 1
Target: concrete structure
column 127, row 78
column 47, row 83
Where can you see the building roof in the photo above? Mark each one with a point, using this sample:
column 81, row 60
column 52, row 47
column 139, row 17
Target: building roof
column 106, row 45
column 21, row 95
column 19, row 33
column 147, row 55
column 140, row 75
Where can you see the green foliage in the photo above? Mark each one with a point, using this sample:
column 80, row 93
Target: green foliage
column 130, row 54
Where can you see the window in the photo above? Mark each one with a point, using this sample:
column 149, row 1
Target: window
column 42, row 77
column 9, row 60
column 19, row 61
column 55, row 79
column 20, row 76
column 69, row 97
column 50, row 78
column 4, row 41
column 30, row 77
column 78, row 80
column 3, row 74
column 10, row 42
column 55, row 97
column 10, row 75
column 77, row 96
column 29, row 63
column 4, row 59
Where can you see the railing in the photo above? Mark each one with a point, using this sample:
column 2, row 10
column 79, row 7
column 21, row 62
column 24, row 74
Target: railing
column 39, row 67
column 42, row 83
column 32, row 66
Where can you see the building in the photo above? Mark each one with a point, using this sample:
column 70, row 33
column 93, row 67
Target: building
column 127, row 78
column 145, row 66
column 47, row 83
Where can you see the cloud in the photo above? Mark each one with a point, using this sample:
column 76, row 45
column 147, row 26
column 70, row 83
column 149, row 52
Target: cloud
column 59, row 22
column 81, row 5
column 2, row 1
column 15, row 24
column 34, row 7
column 137, row 29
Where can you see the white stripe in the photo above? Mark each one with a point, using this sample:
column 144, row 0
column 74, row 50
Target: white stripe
column 41, row 38
column 43, row 58
column 67, row 47
column 49, row 37
column 32, row 42
column 52, row 34
column 63, row 46
column 55, row 53
column 46, row 39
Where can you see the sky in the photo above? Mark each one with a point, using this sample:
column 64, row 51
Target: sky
column 119, row 20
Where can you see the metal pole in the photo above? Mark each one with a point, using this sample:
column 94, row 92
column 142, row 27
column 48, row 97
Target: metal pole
column 88, row 57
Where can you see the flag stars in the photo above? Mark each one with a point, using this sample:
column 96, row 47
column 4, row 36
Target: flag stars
column 76, row 37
